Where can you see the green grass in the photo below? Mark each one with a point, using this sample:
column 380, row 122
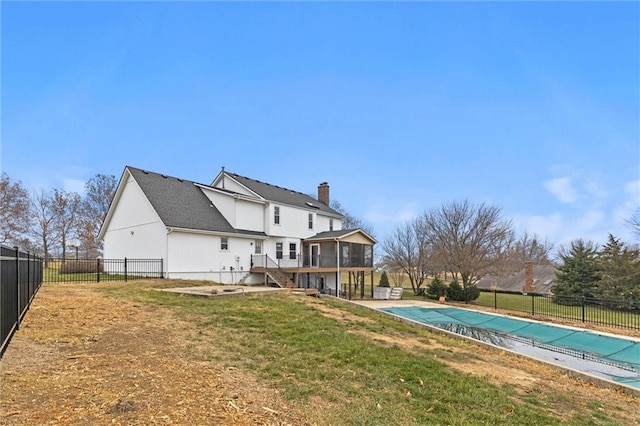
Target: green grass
column 312, row 358
column 546, row 307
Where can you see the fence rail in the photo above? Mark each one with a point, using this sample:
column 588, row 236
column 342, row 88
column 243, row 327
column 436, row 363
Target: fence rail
column 58, row 270
column 612, row 313
column 20, row 279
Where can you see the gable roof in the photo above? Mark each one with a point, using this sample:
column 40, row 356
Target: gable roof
column 282, row 195
column 181, row 204
column 333, row 235
column 543, row 279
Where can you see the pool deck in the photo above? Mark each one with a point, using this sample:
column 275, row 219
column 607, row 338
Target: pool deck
column 214, row 291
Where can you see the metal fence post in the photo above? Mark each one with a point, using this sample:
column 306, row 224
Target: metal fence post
column 98, row 269
column 125, row 270
column 533, row 304
column 583, row 304
column 17, row 287
column 495, row 300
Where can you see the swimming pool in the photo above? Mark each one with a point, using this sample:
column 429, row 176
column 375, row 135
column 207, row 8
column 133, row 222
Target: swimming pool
column 606, row 356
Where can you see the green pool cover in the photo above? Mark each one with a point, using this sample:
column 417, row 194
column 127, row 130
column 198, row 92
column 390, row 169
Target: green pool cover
column 615, row 351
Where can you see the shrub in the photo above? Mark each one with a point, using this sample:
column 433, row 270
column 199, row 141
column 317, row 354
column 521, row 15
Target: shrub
column 79, row 267
column 384, row 280
column 436, row 289
column 457, row 293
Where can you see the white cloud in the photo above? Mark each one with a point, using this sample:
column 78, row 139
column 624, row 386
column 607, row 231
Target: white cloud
column 545, row 226
column 73, row 185
column 562, row 189
column 385, row 220
column 591, row 220
column 633, row 190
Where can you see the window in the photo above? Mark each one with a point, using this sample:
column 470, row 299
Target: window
column 276, row 215
column 224, row 243
column 310, row 220
column 330, row 224
column 278, row 250
column 293, row 255
column 258, row 244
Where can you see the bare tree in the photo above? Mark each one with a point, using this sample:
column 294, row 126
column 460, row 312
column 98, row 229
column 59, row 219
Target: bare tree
column 100, row 191
column 471, row 239
column 14, row 211
column 43, row 229
column 66, row 208
column 529, row 247
column 352, row 222
column 634, row 223
column 409, row 250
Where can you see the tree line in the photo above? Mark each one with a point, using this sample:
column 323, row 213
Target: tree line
column 467, row 241
column 50, row 223
column 611, row 272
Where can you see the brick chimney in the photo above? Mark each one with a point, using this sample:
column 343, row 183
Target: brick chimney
column 528, row 278
column 323, row 193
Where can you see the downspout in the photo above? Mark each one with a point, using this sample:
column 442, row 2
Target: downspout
column 338, row 277
column 166, row 255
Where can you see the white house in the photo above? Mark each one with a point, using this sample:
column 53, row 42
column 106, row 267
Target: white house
column 235, row 230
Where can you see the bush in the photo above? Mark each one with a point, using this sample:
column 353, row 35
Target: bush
column 80, row 267
column 384, row 280
column 457, row 293
column 436, row 289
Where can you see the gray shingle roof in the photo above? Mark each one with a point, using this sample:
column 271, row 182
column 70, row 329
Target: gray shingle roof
column 283, row 195
column 330, row 235
column 181, row 204
column 543, row 279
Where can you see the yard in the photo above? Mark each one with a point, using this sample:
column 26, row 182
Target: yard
column 122, row 353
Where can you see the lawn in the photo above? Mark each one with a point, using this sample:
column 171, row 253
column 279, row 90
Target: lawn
column 291, row 343
column 543, row 306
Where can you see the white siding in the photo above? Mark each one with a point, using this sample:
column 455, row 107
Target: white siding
column 322, row 224
column 198, row 256
column 234, row 186
column 240, row 213
column 294, row 222
column 250, row 216
column 135, row 230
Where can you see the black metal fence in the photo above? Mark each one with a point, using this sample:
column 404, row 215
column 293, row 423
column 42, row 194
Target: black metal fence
column 20, row 279
column 58, row 270
column 612, row 313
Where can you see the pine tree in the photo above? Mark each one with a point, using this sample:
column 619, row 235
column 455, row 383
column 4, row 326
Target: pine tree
column 384, row 280
column 620, row 271
column 579, row 274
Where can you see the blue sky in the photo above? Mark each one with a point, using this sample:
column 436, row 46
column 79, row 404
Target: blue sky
column 400, row 106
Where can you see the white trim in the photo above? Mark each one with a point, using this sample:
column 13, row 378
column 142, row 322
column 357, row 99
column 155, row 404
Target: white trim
column 232, row 194
column 224, row 234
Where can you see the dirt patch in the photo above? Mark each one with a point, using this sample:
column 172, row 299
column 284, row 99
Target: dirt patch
column 81, row 358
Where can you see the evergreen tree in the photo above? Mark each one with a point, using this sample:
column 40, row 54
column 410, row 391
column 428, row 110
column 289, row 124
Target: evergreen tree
column 436, row 288
column 384, row 280
column 620, row 271
column 579, row 273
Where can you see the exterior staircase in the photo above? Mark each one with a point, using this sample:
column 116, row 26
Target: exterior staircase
column 280, row 278
column 396, row 293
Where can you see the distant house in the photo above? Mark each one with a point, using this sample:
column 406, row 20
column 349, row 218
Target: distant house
column 235, row 230
column 538, row 279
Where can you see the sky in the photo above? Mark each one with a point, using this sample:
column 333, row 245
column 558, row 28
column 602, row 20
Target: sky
column 402, row 107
